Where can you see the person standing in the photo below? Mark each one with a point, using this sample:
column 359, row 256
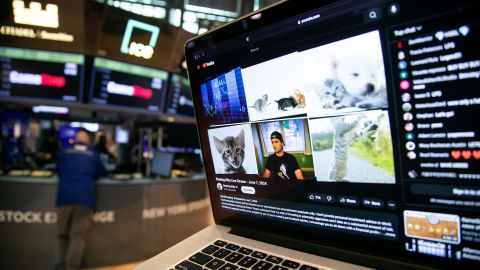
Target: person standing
column 78, row 167
column 281, row 164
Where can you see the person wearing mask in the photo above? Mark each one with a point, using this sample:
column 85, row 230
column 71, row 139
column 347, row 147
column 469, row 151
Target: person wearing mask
column 78, row 167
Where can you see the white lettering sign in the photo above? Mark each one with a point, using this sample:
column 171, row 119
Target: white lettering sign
column 28, row 217
column 140, row 50
column 34, row 15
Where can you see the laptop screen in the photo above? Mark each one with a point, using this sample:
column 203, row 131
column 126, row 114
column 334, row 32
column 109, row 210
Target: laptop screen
column 348, row 124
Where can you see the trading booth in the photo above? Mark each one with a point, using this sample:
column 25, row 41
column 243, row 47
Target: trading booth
column 84, row 65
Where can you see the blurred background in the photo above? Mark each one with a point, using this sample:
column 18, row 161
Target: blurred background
column 116, row 69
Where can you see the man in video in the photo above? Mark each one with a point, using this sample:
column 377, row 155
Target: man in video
column 281, row 164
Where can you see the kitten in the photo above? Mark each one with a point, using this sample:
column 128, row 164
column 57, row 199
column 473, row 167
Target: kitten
column 333, row 95
column 299, row 98
column 286, row 103
column 345, row 134
column 232, row 151
column 260, row 104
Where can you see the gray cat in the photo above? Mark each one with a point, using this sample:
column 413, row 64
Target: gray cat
column 232, row 151
column 261, row 104
column 345, row 134
column 333, row 95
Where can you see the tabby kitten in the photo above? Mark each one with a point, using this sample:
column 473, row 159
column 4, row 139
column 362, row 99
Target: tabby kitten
column 333, row 95
column 299, row 98
column 232, row 151
column 286, row 103
column 260, row 104
column 345, row 134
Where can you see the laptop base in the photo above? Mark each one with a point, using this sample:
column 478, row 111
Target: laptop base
column 186, row 248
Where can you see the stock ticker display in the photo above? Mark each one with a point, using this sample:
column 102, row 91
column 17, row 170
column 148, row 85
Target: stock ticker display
column 41, row 74
column 120, row 84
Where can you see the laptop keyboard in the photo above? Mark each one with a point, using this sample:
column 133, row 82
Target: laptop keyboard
column 228, row 256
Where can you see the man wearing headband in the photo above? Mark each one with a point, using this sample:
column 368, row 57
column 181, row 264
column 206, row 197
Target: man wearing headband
column 281, row 164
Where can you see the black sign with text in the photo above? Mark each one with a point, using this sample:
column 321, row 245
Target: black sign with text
column 136, row 39
column 52, row 24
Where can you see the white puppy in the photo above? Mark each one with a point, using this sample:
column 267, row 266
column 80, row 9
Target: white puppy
column 361, row 74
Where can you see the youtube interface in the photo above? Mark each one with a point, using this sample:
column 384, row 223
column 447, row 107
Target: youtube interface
column 351, row 125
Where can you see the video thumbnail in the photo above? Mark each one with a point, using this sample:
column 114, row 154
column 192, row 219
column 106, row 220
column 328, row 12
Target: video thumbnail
column 274, row 88
column 232, row 150
column 353, row 148
column 224, row 99
column 290, row 151
column 432, row 226
column 343, row 76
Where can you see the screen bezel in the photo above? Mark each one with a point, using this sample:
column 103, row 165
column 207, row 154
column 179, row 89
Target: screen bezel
column 241, row 27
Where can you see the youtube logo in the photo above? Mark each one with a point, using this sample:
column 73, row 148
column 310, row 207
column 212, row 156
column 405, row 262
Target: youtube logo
column 205, row 65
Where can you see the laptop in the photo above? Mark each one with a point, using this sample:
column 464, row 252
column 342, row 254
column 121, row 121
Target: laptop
column 338, row 135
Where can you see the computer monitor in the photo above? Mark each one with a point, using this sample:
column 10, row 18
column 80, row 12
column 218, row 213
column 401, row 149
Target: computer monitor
column 371, row 102
column 162, row 163
column 179, row 96
column 41, row 75
column 120, row 84
column 121, row 135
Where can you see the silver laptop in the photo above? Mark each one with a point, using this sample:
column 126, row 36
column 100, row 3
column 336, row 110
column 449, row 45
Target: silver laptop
column 338, row 135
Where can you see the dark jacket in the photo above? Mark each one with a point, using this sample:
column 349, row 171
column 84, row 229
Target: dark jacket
column 78, row 167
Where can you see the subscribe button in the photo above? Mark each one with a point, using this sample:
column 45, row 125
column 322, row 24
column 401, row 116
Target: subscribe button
column 248, row 190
